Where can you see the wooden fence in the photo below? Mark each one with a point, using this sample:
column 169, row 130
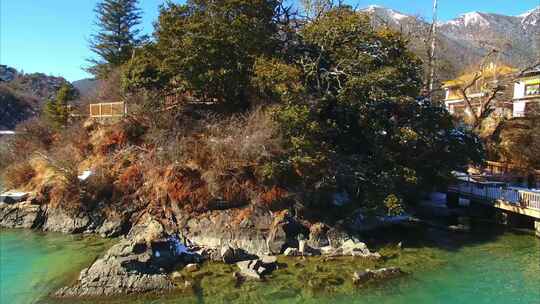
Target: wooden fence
column 108, row 109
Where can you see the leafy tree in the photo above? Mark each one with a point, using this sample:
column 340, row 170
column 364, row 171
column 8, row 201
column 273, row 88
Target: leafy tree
column 209, row 47
column 361, row 128
column 117, row 36
column 517, row 141
column 57, row 110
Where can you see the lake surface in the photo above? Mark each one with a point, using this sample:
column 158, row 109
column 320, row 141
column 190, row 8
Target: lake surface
column 483, row 267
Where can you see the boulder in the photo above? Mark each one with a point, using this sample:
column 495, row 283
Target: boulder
column 192, row 267
column 136, row 264
column 291, row 252
column 363, row 277
column 256, row 269
column 285, row 232
column 111, row 227
column 268, row 259
column 250, row 269
column 20, row 215
column 59, row 220
column 215, row 229
column 354, row 247
column 230, row 255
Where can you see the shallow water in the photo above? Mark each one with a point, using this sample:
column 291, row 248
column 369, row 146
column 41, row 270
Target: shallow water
column 485, row 267
column 33, row 264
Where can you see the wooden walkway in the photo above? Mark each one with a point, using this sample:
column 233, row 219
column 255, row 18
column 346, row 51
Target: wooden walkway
column 498, row 195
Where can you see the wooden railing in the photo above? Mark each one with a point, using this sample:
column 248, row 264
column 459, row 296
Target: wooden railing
column 497, row 191
column 107, row 109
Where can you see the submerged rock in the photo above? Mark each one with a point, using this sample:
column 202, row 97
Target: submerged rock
column 256, row 269
column 363, row 277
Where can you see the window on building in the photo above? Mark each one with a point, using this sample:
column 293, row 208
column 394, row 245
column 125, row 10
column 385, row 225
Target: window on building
column 532, row 89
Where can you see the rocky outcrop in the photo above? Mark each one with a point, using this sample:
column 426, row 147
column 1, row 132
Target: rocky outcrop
column 139, row 263
column 20, row 215
column 367, row 276
column 7, row 73
column 260, row 234
column 113, row 227
column 59, row 220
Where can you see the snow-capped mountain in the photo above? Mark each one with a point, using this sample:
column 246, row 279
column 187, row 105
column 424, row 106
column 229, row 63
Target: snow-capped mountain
column 467, row 38
column 531, row 18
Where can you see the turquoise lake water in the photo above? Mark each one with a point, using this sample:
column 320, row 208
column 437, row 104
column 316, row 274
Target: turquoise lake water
column 503, row 268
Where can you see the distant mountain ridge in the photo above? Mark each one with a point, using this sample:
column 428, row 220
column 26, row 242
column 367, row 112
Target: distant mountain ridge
column 467, row 38
column 23, row 95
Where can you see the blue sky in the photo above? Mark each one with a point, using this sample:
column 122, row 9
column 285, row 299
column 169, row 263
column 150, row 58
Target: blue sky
column 50, row 36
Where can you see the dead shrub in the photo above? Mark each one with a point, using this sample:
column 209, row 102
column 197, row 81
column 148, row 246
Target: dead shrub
column 77, row 137
column 276, row 198
column 242, row 215
column 130, row 179
column 18, row 175
column 34, row 135
column 112, row 139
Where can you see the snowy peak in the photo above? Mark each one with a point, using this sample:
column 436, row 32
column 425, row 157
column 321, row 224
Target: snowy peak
column 387, row 14
column 471, row 19
column 530, row 12
column 531, row 18
column 466, row 39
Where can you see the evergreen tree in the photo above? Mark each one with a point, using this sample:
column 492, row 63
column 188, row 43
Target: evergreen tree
column 57, row 110
column 117, row 36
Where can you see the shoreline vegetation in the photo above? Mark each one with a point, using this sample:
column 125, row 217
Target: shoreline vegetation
column 254, row 138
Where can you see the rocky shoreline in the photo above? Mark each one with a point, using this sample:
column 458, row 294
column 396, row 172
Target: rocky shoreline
column 149, row 257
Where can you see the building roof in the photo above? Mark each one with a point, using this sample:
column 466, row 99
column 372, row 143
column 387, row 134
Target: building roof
column 530, row 73
column 491, row 70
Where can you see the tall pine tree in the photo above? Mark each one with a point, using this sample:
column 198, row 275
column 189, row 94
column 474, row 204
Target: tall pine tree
column 117, row 36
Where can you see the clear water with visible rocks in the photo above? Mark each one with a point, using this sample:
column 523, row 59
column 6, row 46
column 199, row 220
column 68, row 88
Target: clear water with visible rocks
column 486, row 266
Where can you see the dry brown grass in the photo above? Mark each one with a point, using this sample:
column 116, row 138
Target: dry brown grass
column 130, row 179
column 18, row 175
column 276, row 198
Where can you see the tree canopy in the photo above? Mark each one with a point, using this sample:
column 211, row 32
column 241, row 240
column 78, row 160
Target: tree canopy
column 343, row 94
column 57, row 110
column 117, row 36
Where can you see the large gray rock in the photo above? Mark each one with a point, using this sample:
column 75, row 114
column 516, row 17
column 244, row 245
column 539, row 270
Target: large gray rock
column 139, row 263
column 59, row 220
column 261, row 233
column 20, row 215
column 111, row 227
